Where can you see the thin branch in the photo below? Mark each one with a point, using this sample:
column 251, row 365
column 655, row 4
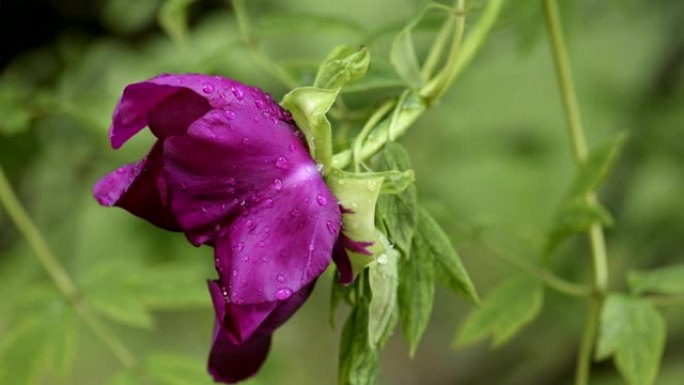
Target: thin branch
column 63, row 282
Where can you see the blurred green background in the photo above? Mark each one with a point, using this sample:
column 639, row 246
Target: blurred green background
column 492, row 157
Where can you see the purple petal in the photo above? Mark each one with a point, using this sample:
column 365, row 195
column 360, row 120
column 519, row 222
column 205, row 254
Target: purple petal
column 228, row 165
column 343, row 263
column 231, row 362
column 139, row 188
column 180, row 99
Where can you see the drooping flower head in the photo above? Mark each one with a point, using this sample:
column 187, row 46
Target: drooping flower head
column 230, row 170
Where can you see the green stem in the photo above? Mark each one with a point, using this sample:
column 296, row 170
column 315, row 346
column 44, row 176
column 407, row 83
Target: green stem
column 379, row 113
column 580, row 151
column 436, row 50
column 548, row 278
column 469, row 48
column 584, row 356
column 59, row 276
column 264, row 61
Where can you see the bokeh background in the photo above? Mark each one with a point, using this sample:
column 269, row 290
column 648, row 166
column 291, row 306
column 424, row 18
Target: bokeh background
column 492, row 157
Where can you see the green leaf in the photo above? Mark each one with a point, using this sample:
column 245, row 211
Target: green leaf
column 358, row 193
column 172, row 286
column 448, row 265
column 665, row 280
column 397, row 213
column 177, row 369
column 403, row 53
column 633, row 332
column 15, row 116
column 403, row 57
column 111, row 292
column 416, row 291
column 510, row 306
column 344, row 65
column 576, row 217
column 62, row 336
column 21, row 353
column 383, row 280
column 577, row 213
column 339, row 293
column 308, row 106
column 359, row 362
column 173, row 17
column 595, row 169
column 125, row 292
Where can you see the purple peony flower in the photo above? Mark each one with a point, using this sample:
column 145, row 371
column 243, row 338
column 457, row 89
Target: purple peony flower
column 231, row 170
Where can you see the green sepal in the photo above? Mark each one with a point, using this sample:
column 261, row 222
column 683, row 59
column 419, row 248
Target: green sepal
column 308, row 106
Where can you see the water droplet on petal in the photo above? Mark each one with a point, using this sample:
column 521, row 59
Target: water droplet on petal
column 230, row 115
column 261, row 243
column 183, row 186
column 245, row 141
column 259, row 104
column 280, row 278
column 294, row 212
column 283, row 294
column 293, row 147
column 204, row 209
column 269, row 202
column 207, row 88
column 238, row 92
column 235, row 273
column 321, row 200
column 241, row 246
column 383, row 259
column 267, row 229
column 245, row 258
column 281, row 162
column 278, row 184
column 332, row 229
column 312, row 247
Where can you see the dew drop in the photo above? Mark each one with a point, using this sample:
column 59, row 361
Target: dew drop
column 312, row 247
column 294, row 212
column 267, row 229
column 280, row 278
column 230, row 181
column 261, row 243
column 183, row 186
column 332, row 229
column 278, row 184
column 259, row 104
column 204, row 209
column 269, row 202
column 293, row 147
column 281, row 162
column 230, row 115
column 383, row 259
column 238, row 92
column 245, row 141
column 283, row 294
column 321, row 200
column 241, row 246
column 235, row 273
column 245, row 258
column 264, row 258
column 207, row 88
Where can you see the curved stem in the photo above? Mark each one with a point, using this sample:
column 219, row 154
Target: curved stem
column 378, row 114
column 63, row 282
column 548, row 278
column 580, row 151
column 470, row 47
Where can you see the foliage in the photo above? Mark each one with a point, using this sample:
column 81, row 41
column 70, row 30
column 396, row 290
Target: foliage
column 486, row 155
